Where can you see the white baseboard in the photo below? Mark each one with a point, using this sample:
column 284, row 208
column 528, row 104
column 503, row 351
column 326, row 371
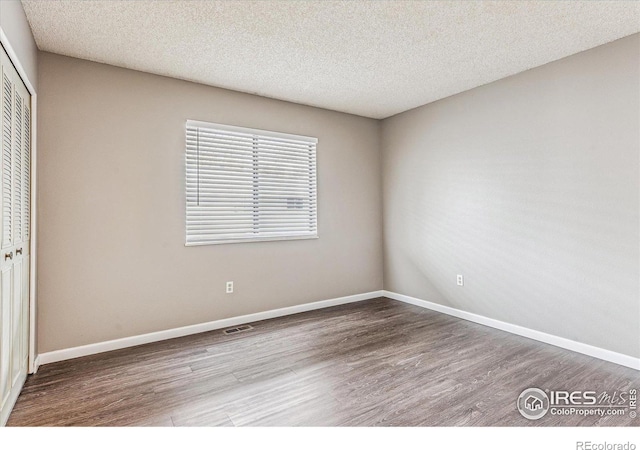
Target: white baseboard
column 116, row 344
column 590, row 350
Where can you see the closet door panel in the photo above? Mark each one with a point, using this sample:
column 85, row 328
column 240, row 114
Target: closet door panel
column 15, row 178
column 6, row 279
column 16, row 323
column 24, row 248
column 25, row 313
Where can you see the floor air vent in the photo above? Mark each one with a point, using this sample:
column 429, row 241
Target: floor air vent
column 238, row 329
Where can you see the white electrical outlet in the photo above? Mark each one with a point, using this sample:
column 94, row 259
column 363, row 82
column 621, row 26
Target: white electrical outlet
column 229, row 287
column 460, row 280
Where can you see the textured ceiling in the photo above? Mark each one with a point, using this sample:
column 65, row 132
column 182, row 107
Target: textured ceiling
column 371, row 58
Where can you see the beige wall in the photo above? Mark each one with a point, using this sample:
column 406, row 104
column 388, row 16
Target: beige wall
column 528, row 187
column 112, row 261
column 14, row 23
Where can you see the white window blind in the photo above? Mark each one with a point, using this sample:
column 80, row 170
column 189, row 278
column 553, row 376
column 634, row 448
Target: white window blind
column 248, row 185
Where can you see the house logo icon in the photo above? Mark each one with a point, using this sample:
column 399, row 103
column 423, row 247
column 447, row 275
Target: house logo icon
column 533, row 403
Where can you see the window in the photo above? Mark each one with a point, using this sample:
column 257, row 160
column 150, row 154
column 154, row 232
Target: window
column 249, row 185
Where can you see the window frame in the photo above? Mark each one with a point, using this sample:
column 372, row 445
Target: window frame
column 259, row 133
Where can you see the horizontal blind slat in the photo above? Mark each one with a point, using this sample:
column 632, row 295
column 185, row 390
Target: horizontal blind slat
column 195, row 210
column 240, row 164
column 192, row 183
column 212, row 140
column 287, row 191
column 220, row 157
column 208, row 174
column 248, row 151
column 246, row 133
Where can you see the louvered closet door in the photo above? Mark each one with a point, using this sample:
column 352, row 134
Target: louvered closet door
column 15, row 103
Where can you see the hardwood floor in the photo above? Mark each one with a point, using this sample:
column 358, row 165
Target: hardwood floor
column 378, row 362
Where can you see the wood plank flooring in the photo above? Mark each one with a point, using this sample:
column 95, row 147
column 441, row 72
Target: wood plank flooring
column 373, row 363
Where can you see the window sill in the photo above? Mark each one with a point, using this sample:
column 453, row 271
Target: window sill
column 261, row 239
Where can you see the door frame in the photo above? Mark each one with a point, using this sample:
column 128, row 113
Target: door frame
column 13, row 57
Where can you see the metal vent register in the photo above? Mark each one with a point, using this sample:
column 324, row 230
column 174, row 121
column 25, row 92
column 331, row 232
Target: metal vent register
column 238, row 329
